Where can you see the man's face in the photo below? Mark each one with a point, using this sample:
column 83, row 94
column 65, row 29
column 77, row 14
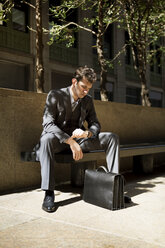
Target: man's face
column 81, row 88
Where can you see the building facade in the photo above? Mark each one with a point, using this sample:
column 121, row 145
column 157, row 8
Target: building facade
column 17, row 60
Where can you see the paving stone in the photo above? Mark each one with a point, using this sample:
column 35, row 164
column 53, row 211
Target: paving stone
column 76, row 224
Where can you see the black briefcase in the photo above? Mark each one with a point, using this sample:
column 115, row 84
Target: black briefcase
column 104, row 189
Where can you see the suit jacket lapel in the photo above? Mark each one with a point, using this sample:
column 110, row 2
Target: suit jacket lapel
column 83, row 112
column 67, row 104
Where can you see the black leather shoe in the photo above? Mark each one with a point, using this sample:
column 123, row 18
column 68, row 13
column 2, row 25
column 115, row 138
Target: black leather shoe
column 127, row 199
column 48, row 203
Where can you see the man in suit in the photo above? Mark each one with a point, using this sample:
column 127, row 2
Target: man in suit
column 65, row 111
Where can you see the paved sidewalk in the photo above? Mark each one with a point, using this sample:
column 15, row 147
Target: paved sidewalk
column 76, row 224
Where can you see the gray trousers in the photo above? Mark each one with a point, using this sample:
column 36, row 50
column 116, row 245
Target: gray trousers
column 50, row 145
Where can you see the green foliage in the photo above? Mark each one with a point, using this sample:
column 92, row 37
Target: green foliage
column 64, row 25
column 61, row 34
column 61, row 12
column 62, row 29
column 145, row 22
column 5, row 8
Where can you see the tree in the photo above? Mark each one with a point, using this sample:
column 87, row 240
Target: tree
column 6, row 8
column 107, row 14
column 145, row 23
column 104, row 13
column 39, row 66
column 39, row 80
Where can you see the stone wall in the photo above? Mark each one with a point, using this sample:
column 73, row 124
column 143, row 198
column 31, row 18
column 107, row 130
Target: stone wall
column 20, row 128
column 133, row 123
column 21, row 124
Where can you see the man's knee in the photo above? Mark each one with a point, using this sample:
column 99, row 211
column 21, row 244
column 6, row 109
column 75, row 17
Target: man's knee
column 114, row 138
column 107, row 138
column 47, row 139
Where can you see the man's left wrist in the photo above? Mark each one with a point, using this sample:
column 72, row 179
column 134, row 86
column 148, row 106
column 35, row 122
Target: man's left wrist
column 88, row 134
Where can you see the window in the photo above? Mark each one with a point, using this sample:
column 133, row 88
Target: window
column 128, row 58
column 108, row 42
column 109, row 88
column 133, row 95
column 13, row 75
column 20, row 16
column 155, row 65
column 155, row 98
column 97, row 94
column 18, row 19
column 59, row 80
column 158, row 60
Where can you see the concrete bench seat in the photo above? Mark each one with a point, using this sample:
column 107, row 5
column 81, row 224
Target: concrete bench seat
column 126, row 150
column 142, row 153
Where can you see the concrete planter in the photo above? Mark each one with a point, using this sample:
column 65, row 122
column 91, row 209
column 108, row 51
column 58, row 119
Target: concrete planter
column 21, row 124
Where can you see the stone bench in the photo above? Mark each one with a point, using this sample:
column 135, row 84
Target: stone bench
column 142, row 154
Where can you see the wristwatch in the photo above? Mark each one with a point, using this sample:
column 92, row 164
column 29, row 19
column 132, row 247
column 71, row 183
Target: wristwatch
column 88, row 133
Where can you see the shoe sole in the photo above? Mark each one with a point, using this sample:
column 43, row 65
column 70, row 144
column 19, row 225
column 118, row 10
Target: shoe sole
column 49, row 210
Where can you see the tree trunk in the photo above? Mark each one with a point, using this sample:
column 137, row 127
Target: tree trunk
column 144, row 90
column 102, row 62
column 39, row 49
column 141, row 68
column 138, row 48
column 139, row 58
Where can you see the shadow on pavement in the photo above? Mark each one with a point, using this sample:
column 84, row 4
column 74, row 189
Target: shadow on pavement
column 135, row 185
column 138, row 183
column 68, row 201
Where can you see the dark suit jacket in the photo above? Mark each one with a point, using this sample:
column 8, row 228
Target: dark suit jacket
column 58, row 111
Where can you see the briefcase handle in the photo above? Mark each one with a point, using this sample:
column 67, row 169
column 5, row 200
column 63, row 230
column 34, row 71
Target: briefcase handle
column 102, row 168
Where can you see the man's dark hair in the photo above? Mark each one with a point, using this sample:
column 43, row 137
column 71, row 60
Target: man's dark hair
column 87, row 73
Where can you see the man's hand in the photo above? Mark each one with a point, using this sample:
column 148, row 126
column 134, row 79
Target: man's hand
column 75, row 148
column 79, row 133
